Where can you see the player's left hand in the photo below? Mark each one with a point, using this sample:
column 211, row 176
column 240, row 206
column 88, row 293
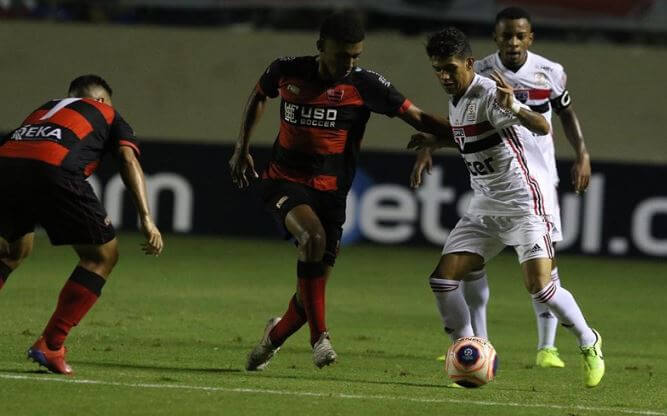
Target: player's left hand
column 504, row 92
column 153, row 245
column 581, row 173
column 238, row 164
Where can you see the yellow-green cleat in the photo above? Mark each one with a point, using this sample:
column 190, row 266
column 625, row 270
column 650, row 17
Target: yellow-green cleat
column 593, row 362
column 454, row 386
column 548, row 358
column 442, row 358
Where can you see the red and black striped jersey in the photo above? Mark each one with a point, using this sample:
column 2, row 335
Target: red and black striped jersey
column 322, row 124
column 72, row 133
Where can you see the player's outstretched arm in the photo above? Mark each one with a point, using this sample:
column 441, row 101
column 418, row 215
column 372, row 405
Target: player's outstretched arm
column 241, row 160
column 133, row 178
column 429, row 123
column 581, row 169
column 531, row 120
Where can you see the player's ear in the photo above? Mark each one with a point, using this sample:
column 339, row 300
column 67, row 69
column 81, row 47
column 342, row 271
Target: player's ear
column 320, row 45
column 470, row 61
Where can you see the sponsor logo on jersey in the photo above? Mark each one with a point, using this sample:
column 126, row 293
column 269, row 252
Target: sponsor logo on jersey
column 305, row 115
column 30, row 132
column 335, row 95
column 541, row 80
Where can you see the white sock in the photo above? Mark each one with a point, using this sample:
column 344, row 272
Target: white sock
column 562, row 304
column 476, row 294
column 555, row 277
column 452, row 307
column 547, row 323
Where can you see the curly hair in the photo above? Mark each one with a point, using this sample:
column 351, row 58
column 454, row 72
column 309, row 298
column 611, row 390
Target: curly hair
column 450, row 41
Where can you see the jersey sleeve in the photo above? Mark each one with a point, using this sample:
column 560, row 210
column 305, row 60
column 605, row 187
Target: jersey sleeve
column 269, row 82
column 380, row 96
column 121, row 134
column 560, row 97
column 498, row 116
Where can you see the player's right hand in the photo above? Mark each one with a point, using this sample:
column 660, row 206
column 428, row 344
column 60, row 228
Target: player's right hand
column 238, row 164
column 153, row 245
column 424, row 162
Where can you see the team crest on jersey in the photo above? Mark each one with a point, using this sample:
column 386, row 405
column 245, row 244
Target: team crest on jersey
column 471, row 112
column 521, row 95
column 459, row 136
column 541, row 79
column 293, row 89
column 335, row 95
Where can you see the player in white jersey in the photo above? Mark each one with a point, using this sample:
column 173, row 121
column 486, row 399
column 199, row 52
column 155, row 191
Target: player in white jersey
column 540, row 84
column 493, row 133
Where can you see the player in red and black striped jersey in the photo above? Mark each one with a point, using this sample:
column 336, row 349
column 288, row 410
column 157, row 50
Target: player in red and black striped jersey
column 326, row 101
column 48, row 159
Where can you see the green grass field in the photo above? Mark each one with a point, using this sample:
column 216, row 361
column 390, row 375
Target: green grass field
column 170, row 335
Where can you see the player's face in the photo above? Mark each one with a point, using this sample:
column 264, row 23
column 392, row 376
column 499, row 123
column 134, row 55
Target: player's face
column 513, row 38
column 338, row 58
column 454, row 73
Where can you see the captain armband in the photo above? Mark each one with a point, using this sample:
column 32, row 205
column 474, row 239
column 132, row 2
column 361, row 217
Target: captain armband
column 562, row 102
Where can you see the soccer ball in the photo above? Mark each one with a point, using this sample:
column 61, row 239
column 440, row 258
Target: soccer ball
column 471, row 362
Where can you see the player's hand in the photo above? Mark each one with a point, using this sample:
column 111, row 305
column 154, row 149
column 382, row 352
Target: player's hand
column 581, row 173
column 153, row 245
column 504, row 91
column 421, row 141
column 238, row 164
column 423, row 163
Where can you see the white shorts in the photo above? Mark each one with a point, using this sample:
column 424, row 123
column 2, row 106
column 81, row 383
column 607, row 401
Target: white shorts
column 488, row 235
column 554, row 216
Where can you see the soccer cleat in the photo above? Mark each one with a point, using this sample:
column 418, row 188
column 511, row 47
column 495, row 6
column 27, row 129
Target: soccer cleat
column 441, row 358
column 54, row 361
column 260, row 356
column 454, row 386
column 548, row 358
column 323, row 352
column 593, row 362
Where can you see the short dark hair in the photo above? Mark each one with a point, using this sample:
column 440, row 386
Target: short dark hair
column 450, row 41
column 513, row 13
column 80, row 86
column 343, row 26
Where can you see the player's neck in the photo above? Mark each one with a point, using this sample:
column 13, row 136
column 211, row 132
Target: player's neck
column 456, row 97
column 514, row 67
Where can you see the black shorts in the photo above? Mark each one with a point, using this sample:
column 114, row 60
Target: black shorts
column 280, row 197
column 65, row 206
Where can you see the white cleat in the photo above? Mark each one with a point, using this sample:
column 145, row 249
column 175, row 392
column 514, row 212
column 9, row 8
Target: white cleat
column 323, row 352
column 260, row 356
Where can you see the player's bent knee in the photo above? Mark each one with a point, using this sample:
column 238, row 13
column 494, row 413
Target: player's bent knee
column 312, row 244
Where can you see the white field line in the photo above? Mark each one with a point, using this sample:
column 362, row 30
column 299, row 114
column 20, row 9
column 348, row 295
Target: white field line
column 59, row 379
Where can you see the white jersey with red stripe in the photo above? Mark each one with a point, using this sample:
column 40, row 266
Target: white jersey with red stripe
column 494, row 146
column 541, row 85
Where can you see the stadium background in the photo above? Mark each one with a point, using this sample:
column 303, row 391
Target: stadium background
column 170, row 335
column 182, row 76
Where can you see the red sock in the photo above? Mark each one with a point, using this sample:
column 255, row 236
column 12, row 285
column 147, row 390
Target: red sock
column 312, row 283
column 76, row 298
column 292, row 320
